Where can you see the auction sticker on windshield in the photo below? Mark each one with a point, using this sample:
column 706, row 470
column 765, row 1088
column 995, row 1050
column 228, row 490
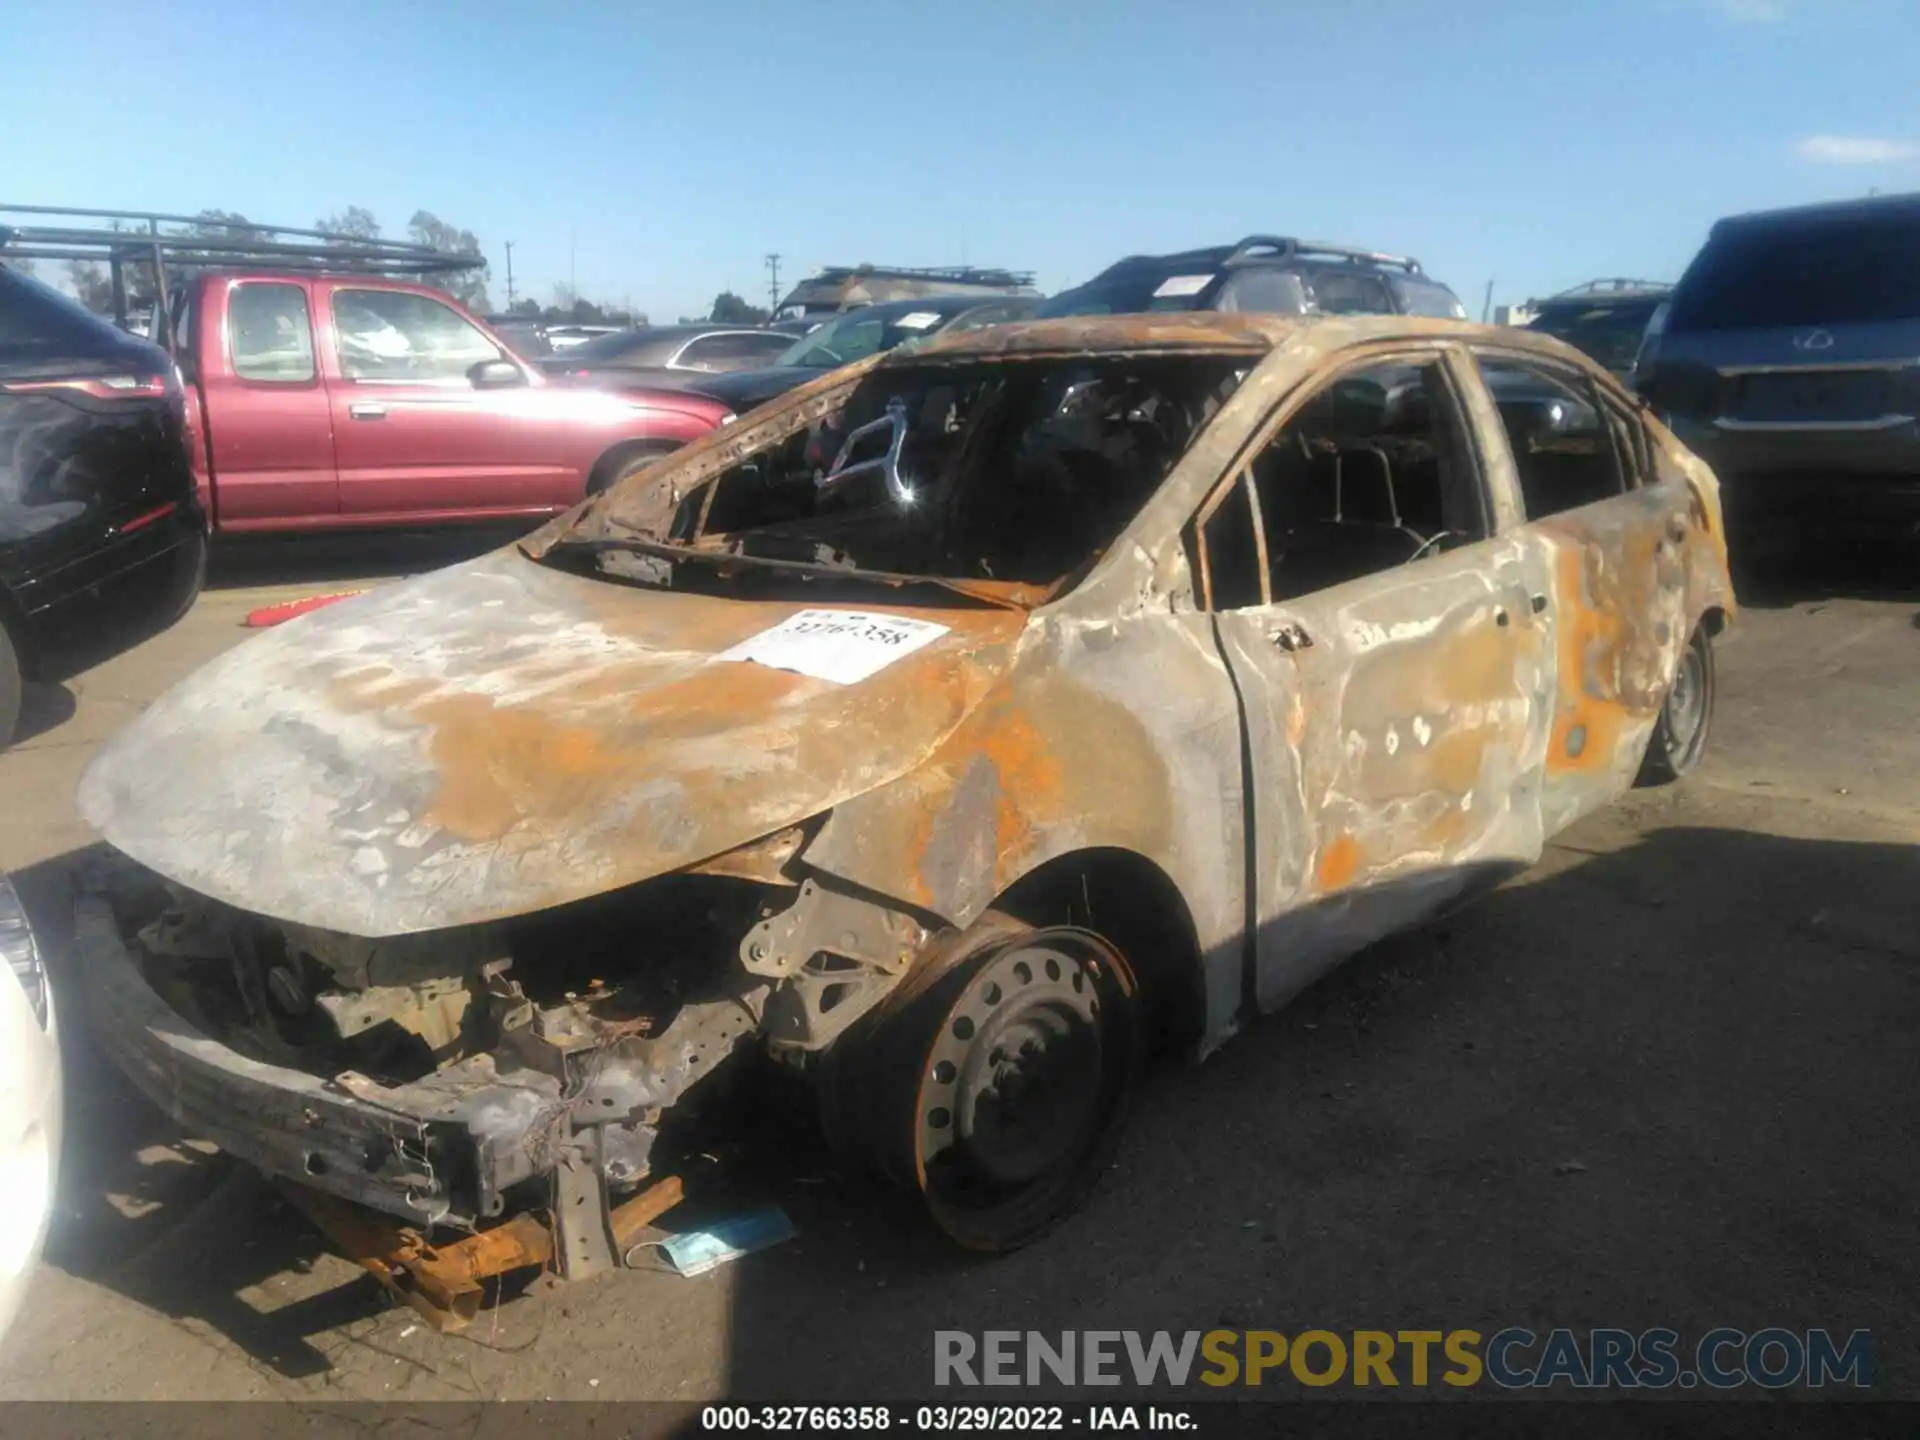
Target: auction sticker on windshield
column 918, row 320
column 844, row 646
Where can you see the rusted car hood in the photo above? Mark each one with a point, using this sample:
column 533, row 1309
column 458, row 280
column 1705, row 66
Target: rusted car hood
column 504, row 736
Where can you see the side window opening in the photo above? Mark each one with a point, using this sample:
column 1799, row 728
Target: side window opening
column 1567, row 445
column 269, row 333
column 396, row 335
column 1374, row 472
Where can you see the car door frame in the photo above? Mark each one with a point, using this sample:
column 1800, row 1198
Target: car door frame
column 533, row 474
column 1620, row 594
column 248, row 421
column 1326, row 875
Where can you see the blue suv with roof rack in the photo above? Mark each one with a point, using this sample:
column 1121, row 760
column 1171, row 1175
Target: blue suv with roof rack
column 1271, row 274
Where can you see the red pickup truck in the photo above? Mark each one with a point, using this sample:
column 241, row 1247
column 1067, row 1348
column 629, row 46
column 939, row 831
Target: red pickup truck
column 321, row 402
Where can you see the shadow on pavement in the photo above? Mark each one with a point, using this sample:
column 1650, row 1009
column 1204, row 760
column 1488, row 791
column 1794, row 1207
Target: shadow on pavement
column 1823, row 565
column 44, row 706
column 1666, row 1085
column 1669, row 1085
column 342, row 556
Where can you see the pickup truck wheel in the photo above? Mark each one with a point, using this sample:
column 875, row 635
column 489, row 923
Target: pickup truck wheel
column 10, row 686
column 617, row 466
column 1007, row 1083
column 1680, row 735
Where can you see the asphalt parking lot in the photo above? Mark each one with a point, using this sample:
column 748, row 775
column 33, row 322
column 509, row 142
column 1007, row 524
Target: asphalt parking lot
column 1667, row 1078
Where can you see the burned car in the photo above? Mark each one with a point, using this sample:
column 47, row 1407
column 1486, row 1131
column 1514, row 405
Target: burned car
column 937, row 730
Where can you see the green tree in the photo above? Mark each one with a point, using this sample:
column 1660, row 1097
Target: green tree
column 90, row 286
column 730, row 309
column 469, row 287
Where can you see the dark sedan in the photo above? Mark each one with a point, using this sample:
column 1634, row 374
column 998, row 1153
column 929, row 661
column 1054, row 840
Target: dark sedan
column 666, row 356
column 101, row 535
column 857, row 334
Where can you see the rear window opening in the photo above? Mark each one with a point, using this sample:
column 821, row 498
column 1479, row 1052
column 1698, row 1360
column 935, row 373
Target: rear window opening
column 1829, row 272
column 1019, row 472
column 42, row 328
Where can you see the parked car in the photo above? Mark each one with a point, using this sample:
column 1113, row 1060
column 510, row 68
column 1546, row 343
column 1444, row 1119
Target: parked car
column 567, row 337
column 851, row 287
column 101, row 536
column 30, row 1103
column 1789, row 356
column 1104, row 671
column 857, row 334
column 526, row 334
column 667, row 356
column 1271, row 274
column 1605, row 318
column 324, row 401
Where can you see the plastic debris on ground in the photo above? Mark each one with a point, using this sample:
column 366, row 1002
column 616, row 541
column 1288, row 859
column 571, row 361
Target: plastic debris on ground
column 697, row 1251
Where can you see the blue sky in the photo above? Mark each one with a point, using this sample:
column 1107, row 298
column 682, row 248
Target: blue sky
column 1536, row 143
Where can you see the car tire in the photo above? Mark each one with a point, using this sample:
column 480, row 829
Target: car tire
column 1680, row 735
column 618, row 466
column 11, row 683
column 998, row 1092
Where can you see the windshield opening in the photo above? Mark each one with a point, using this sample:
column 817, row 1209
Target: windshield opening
column 1833, row 272
column 1005, row 474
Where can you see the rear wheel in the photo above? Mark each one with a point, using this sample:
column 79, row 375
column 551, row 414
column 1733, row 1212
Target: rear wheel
column 1680, row 735
column 10, row 687
column 1004, row 1083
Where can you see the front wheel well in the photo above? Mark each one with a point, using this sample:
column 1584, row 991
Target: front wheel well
column 1130, row 901
column 1714, row 620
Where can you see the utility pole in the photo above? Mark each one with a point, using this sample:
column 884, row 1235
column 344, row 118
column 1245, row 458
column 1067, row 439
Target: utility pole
column 773, row 282
column 1486, row 306
column 509, row 275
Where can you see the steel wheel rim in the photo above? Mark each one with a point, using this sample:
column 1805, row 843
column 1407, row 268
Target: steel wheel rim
column 1686, row 704
column 999, row 1139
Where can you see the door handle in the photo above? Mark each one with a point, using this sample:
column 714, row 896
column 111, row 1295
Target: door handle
column 366, row 410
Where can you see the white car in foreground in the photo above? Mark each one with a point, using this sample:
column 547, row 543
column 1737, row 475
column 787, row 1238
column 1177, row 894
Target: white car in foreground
column 29, row 1103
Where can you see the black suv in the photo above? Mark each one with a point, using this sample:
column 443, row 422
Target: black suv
column 1267, row 273
column 1789, row 359
column 102, row 538
column 1605, row 318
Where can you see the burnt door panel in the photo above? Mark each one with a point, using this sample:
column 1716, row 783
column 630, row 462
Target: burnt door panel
column 1396, row 726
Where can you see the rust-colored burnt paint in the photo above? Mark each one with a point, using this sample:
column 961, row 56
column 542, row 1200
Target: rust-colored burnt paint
column 1040, row 767
column 1589, row 716
column 661, row 755
column 1339, row 863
